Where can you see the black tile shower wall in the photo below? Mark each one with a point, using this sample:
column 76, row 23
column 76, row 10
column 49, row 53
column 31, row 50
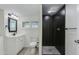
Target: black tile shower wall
column 60, row 35
column 60, row 32
column 47, row 28
column 48, row 34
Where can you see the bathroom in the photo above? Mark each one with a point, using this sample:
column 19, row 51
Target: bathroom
column 21, row 29
column 39, row 29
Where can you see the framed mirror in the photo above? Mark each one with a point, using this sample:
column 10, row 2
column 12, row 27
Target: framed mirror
column 12, row 25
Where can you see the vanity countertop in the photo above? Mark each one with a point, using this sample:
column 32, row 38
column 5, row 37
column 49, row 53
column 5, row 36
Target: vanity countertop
column 16, row 35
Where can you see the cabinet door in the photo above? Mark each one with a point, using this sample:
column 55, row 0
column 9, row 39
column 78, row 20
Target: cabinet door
column 19, row 44
column 10, row 46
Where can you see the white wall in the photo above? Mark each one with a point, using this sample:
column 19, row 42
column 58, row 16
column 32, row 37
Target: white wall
column 32, row 34
column 71, row 34
column 77, row 7
column 1, row 32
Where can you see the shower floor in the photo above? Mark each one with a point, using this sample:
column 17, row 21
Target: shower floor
column 50, row 50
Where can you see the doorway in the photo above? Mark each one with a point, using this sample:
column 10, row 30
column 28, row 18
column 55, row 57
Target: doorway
column 53, row 20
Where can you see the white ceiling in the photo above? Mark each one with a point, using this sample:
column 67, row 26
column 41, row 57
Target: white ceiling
column 51, row 7
column 24, row 9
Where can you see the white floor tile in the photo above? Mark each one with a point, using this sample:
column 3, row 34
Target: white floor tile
column 50, row 50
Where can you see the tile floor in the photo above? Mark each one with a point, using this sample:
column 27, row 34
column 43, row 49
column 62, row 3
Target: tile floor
column 47, row 50
column 50, row 50
column 29, row 51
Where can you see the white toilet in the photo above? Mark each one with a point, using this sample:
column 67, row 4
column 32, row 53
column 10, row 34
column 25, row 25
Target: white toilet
column 34, row 41
column 33, row 44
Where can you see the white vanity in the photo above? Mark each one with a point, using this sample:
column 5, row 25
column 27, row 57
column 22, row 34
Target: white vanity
column 13, row 45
